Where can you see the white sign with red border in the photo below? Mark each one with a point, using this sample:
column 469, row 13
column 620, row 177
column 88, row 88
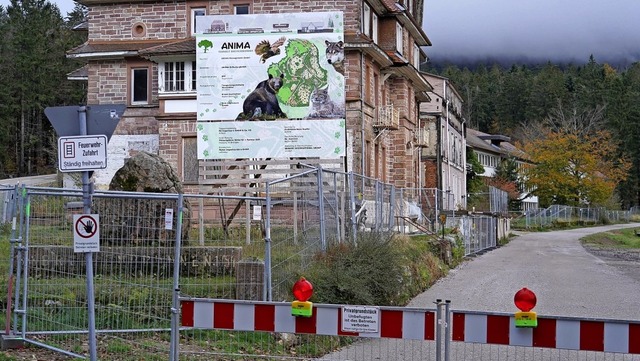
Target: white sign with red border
column 86, row 233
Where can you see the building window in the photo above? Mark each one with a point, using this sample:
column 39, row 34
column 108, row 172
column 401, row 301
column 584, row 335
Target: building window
column 189, row 161
column 399, row 38
column 195, row 13
column 140, row 85
column 194, row 78
column 174, row 76
column 416, row 56
column 366, row 19
column 241, row 8
column 370, row 22
column 177, row 76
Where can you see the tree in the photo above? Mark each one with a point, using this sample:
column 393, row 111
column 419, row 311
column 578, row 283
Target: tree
column 574, row 170
column 475, row 184
column 507, row 179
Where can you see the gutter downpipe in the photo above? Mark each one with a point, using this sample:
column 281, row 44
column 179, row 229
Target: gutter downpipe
column 362, row 68
column 464, row 162
column 444, row 86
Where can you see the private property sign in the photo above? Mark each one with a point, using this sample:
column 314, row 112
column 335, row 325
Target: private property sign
column 82, row 153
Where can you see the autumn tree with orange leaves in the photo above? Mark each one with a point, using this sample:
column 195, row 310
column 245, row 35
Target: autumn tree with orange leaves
column 574, row 168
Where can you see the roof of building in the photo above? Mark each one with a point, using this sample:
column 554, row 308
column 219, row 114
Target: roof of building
column 98, row 48
column 497, row 144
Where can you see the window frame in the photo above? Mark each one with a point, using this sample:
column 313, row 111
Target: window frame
column 191, row 21
column 370, row 22
column 190, row 75
column 399, row 38
column 132, row 68
column 235, row 4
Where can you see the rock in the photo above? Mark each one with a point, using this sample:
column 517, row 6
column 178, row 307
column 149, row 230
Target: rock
column 146, row 172
column 140, row 221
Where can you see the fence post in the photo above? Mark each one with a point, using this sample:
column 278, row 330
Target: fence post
column 175, row 309
column 13, row 240
column 392, row 207
column 438, row 329
column 323, row 239
column 267, row 292
column 352, row 201
column 447, row 334
column 336, row 207
column 378, row 202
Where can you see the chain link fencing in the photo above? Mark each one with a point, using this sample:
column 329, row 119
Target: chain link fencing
column 560, row 214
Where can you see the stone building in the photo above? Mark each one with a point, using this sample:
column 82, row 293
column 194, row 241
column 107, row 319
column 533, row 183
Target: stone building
column 444, row 154
column 143, row 54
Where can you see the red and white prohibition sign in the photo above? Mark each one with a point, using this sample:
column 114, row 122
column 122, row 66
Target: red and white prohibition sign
column 86, row 233
column 86, row 226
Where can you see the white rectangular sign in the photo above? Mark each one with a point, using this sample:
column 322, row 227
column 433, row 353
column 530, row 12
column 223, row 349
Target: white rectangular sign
column 86, row 233
column 360, row 319
column 82, row 153
column 168, row 218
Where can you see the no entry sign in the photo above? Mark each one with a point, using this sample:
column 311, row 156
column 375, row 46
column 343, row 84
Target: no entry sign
column 86, row 233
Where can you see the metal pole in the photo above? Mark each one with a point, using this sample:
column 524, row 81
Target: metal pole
column 323, row 239
column 267, row 292
column 88, row 256
column 175, row 309
column 13, row 240
column 336, row 206
column 438, row 330
column 352, row 201
column 447, row 334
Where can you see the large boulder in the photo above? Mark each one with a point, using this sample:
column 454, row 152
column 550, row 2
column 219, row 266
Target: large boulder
column 146, row 172
column 138, row 220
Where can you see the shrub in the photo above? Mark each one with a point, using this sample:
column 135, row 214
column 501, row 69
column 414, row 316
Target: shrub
column 382, row 269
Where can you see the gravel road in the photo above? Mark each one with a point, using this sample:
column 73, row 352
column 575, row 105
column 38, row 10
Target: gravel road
column 567, row 279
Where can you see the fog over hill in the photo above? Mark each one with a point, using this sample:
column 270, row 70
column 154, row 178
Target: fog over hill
column 468, row 32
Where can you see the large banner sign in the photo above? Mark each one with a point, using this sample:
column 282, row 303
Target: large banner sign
column 270, row 85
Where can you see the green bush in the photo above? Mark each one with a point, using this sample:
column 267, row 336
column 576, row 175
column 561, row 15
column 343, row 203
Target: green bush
column 382, row 269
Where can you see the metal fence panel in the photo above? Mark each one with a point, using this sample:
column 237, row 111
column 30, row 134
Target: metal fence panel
column 133, row 271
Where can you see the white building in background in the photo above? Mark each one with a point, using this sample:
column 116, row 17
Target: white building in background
column 492, row 150
column 444, row 155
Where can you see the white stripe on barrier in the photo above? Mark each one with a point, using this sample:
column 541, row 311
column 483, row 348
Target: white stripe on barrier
column 568, row 334
column 616, row 337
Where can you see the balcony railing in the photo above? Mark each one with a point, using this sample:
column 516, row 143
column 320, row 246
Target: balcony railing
column 388, row 117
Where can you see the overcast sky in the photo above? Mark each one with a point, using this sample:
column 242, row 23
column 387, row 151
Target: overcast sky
column 537, row 29
column 565, row 30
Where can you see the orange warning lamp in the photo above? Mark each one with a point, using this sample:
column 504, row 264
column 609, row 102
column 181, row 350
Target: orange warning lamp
column 525, row 300
column 302, row 291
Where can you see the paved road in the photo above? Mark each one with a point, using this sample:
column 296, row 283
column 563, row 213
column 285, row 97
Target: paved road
column 30, row 181
column 567, row 280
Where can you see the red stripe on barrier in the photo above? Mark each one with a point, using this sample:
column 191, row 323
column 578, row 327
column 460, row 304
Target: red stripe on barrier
column 340, row 332
column 264, row 318
column 498, row 329
column 306, row 324
column 223, row 315
column 634, row 338
column 391, row 324
column 186, row 309
column 458, row 327
column 429, row 326
column 545, row 334
column 591, row 336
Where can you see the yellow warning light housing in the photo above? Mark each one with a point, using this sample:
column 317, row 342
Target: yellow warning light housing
column 302, row 308
column 526, row 319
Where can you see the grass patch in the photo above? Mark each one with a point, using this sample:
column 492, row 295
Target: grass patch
column 621, row 238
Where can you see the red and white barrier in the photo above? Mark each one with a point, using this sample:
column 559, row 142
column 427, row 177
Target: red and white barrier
column 394, row 322
column 561, row 333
